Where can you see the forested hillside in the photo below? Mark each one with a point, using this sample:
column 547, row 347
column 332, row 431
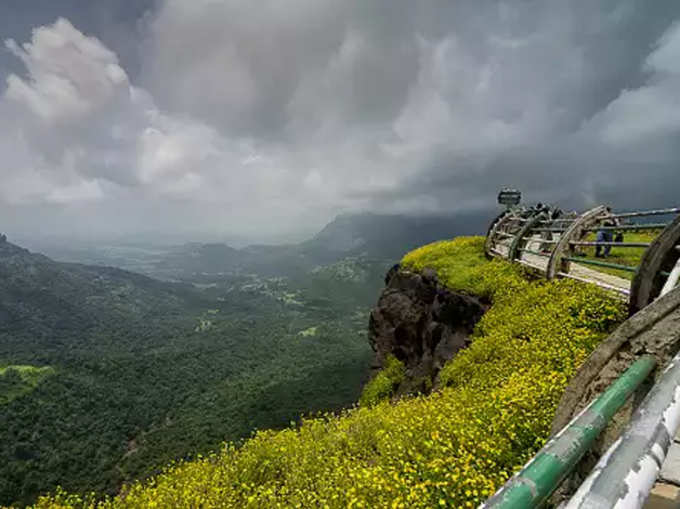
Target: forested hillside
column 453, row 448
column 107, row 375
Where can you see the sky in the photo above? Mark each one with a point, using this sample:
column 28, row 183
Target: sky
column 215, row 118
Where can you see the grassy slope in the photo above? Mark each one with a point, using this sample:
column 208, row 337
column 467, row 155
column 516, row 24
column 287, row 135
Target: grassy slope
column 452, row 448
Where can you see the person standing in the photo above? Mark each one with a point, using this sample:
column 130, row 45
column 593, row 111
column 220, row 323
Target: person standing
column 605, row 234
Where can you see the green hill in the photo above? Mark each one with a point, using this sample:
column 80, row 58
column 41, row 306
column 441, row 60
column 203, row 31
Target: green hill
column 452, row 448
column 106, row 375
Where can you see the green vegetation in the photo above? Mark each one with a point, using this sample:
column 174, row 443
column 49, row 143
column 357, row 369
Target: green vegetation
column 16, row 381
column 108, row 376
column 310, row 332
column 383, row 384
column 452, row 448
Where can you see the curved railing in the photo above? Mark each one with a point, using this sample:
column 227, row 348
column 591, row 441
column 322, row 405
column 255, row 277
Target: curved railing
column 561, row 247
column 629, row 468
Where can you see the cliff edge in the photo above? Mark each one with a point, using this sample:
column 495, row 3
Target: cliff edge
column 421, row 323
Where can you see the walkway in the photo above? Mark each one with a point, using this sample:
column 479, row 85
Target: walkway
column 666, row 491
column 576, row 271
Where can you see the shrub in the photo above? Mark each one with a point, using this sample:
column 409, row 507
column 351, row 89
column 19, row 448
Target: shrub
column 453, row 448
column 383, row 384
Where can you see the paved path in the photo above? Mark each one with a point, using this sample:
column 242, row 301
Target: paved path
column 666, row 492
column 576, row 270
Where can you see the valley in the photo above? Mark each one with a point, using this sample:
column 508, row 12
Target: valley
column 107, row 375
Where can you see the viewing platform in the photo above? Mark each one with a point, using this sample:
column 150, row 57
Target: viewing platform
column 635, row 256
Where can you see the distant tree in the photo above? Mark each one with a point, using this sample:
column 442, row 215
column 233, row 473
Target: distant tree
column 3, row 238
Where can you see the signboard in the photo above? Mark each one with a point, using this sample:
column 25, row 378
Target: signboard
column 509, row 197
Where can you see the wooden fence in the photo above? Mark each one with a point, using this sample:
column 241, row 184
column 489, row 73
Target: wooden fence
column 588, row 247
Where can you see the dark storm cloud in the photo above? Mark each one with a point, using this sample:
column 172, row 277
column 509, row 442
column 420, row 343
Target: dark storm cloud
column 218, row 116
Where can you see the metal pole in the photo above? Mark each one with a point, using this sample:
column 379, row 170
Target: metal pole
column 613, row 244
column 532, row 485
column 660, row 212
column 672, row 279
column 626, row 473
column 597, row 263
column 651, row 226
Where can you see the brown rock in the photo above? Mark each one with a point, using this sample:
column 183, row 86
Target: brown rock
column 421, row 323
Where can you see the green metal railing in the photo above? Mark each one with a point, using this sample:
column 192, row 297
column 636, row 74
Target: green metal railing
column 651, row 226
column 598, row 263
column 557, row 247
column 647, row 213
column 532, row 485
column 563, row 242
column 585, row 243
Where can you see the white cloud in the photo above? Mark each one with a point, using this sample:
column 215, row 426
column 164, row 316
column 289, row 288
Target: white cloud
column 70, row 75
column 666, row 56
column 82, row 191
column 276, row 118
column 81, row 122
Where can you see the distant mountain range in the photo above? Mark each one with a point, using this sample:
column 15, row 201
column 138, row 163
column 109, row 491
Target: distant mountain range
column 370, row 236
column 36, row 288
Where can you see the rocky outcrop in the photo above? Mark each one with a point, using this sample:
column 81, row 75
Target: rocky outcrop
column 421, row 323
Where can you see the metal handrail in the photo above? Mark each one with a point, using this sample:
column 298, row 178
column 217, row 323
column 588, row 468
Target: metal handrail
column 626, row 473
column 540, row 477
column 650, row 226
column 647, row 213
column 567, row 236
column 672, row 280
column 607, row 243
column 597, row 263
column 532, row 485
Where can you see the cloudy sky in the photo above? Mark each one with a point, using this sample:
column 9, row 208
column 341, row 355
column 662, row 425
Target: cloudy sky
column 211, row 118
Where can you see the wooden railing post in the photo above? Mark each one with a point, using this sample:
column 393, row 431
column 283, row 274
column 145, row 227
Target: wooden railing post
column 660, row 256
column 491, row 237
column 573, row 232
column 531, row 222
